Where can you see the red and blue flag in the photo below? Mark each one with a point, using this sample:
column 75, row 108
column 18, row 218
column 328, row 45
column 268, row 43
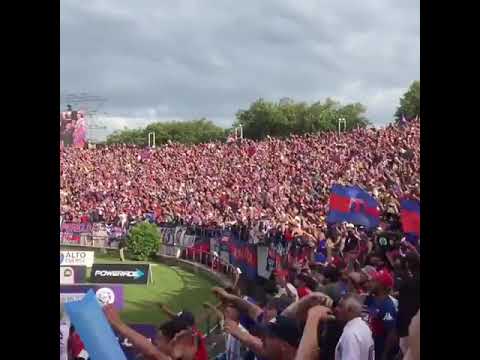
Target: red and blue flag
column 410, row 216
column 354, row 205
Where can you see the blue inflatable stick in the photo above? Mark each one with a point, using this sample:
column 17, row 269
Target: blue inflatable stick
column 94, row 330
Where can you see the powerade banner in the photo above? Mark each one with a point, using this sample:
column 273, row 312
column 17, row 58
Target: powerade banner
column 72, row 275
column 106, row 294
column 243, row 256
column 120, row 273
column 147, row 330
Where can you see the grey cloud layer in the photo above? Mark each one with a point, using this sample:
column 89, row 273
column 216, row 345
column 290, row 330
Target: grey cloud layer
column 186, row 59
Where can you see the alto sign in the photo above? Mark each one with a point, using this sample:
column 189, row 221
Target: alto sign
column 120, row 273
column 76, row 258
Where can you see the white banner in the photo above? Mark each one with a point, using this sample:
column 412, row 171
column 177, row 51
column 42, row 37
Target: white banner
column 225, row 256
column 77, row 258
column 67, row 275
column 66, row 298
column 262, row 255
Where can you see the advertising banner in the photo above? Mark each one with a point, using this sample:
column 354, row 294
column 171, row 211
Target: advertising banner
column 263, row 269
column 70, row 233
column 77, row 258
column 72, row 275
column 106, row 294
column 120, row 273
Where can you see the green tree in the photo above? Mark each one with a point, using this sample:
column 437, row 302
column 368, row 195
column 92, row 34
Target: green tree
column 409, row 102
column 185, row 132
column 288, row 117
column 143, row 241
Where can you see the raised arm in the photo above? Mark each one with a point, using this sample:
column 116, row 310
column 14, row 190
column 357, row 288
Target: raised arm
column 252, row 342
column 139, row 342
column 244, row 306
column 215, row 310
column 299, row 309
column 309, row 348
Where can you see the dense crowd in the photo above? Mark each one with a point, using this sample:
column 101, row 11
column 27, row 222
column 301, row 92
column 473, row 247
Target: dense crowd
column 216, row 184
column 361, row 301
column 310, row 313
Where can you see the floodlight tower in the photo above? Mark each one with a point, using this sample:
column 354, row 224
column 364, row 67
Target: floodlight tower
column 90, row 105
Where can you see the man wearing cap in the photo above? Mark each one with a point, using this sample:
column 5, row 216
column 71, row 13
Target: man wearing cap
column 188, row 318
column 280, row 339
column 259, row 316
column 381, row 313
column 174, row 340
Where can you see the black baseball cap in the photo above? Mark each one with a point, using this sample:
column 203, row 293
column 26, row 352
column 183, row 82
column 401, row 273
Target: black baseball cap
column 187, row 317
column 285, row 329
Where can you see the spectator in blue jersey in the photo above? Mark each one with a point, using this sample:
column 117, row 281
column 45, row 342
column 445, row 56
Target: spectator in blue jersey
column 382, row 316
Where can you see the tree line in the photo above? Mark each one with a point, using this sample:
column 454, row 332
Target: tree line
column 266, row 118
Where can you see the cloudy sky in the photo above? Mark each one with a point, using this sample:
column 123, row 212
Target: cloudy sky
column 183, row 59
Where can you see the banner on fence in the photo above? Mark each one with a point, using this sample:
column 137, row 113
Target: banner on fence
column 243, row 256
column 262, row 266
column 72, row 274
column 120, row 273
column 70, row 233
column 106, row 294
column 77, row 258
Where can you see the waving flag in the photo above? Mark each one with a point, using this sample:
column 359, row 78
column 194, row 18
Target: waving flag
column 410, row 216
column 353, row 205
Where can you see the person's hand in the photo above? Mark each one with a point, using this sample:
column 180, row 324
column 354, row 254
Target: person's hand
column 230, row 327
column 207, row 305
column 220, row 293
column 318, row 298
column 112, row 315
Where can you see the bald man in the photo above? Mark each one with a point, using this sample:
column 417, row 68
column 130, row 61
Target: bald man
column 356, row 342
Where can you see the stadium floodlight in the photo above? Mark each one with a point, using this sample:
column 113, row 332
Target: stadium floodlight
column 241, row 131
column 151, row 139
column 342, row 121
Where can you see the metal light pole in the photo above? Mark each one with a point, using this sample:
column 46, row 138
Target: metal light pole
column 151, row 139
column 342, row 121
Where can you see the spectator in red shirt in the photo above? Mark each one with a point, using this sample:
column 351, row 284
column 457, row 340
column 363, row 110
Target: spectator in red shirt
column 75, row 346
column 301, row 282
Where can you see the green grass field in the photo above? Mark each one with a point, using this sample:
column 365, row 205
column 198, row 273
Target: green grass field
column 173, row 286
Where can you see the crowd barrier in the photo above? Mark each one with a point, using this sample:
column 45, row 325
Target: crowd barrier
column 198, row 259
column 248, row 250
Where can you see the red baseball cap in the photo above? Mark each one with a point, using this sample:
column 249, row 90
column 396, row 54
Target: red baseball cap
column 384, row 278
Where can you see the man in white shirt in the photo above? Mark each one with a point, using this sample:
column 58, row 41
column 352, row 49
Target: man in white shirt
column 285, row 288
column 356, row 342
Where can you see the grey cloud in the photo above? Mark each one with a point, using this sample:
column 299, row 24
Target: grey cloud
column 188, row 59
